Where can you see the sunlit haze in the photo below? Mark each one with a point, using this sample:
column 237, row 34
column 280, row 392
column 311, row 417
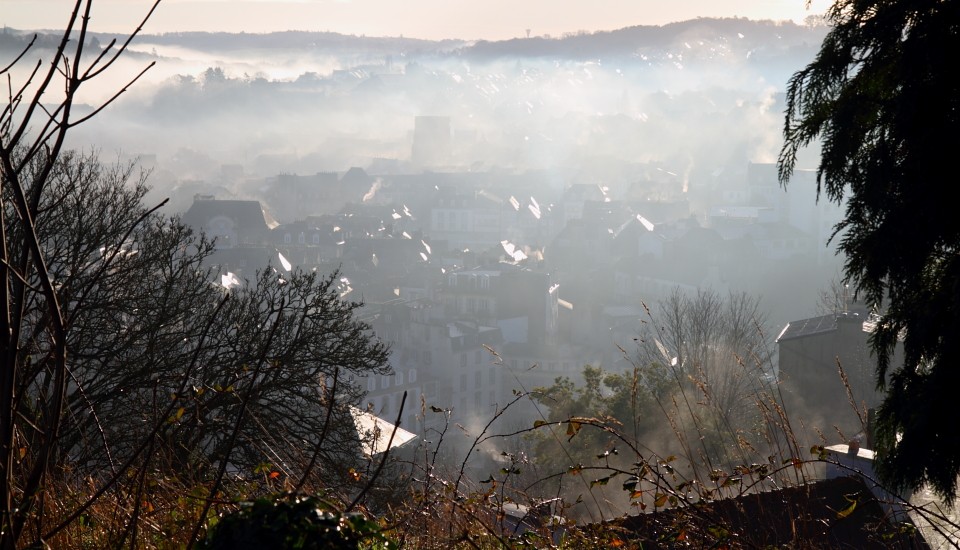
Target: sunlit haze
column 417, row 246
column 430, row 19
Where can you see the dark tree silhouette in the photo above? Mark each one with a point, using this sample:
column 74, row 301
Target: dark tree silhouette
column 882, row 97
column 119, row 358
column 34, row 122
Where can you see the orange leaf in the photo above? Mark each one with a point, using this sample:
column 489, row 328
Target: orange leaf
column 847, row 511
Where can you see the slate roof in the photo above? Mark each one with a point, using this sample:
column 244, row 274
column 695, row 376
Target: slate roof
column 814, row 325
column 808, row 327
column 806, row 516
column 248, row 215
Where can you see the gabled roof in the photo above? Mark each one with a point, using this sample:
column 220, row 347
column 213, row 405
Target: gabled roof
column 824, row 324
column 248, row 215
column 356, row 176
column 808, row 327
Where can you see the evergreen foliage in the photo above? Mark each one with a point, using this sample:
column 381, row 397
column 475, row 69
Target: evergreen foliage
column 882, row 98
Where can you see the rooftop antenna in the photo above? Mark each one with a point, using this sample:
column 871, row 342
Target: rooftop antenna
column 528, row 33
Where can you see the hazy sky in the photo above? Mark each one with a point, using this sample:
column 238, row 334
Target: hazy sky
column 433, row 19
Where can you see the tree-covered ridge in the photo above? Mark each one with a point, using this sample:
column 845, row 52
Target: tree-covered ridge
column 736, row 33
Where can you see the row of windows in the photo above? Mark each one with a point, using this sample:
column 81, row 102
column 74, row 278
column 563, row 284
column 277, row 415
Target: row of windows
column 477, row 358
column 474, row 305
column 478, row 379
column 477, row 401
column 390, row 404
column 301, row 238
column 446, row 221
column 421, row 356
column 471, row 281
column 397, row 380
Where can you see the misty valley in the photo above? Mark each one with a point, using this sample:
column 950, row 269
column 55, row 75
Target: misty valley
column 553, row 291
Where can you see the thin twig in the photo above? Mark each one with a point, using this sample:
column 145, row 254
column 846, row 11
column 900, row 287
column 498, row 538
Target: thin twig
column 383, row 460
column 222, row 469
column 323, row 434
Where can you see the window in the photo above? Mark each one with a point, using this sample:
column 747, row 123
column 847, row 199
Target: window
column 316, row 238
column 463, row 382
column 302, row 238
column 478, row 378
column 399, row 378
column 371, row 384
column 477, row 356
column 384, row 382
column 463, row 360
column 286, row 238
column 412, row 375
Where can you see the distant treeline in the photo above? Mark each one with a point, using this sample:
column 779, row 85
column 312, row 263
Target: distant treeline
column 737, row 33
